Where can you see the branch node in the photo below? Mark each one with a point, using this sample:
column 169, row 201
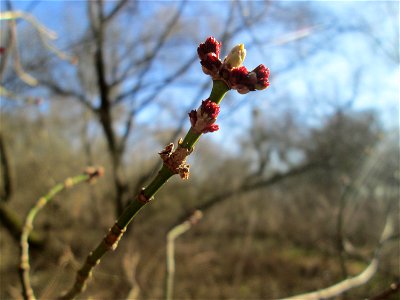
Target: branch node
column 112, row 238
column 142, row 197
column 94, row 173
column 41, row 202
column 68, row 183
column 175, row 161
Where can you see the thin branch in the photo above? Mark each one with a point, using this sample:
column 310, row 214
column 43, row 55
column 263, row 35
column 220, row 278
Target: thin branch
column 53, row 86
column 342, row 286
column 45, row 34
column 170, row 256
column 168, row 80
column 175, row 160
column 12, row 222
column 257, row 184
column 88, row 176
column 25, row 77
column 130, row 262
column 8, row 44
column 114, row 11
column 358, row 280
column 150, row 57
column 386, row 294
column 143, row 178
column 5, row 172
column 13, row 15
column 148, row 100
column 225, row 36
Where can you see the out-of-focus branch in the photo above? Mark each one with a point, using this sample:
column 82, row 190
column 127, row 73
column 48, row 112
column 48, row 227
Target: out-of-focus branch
column 8, row 45
column 342, row 286
column 224, row 38
column 146, row 68
column 104, row 110
column 45, row 34
column 13, row 15
column 12, row 222
column 54, row 87
column 340, row 235
column 388, row 234
column 130, row 262
column 257, row 184
column 12, row 49
column 114, row 11
column 170, row 256
column 148, row 100
column 89, row 175
column 6, row 175
column 8, row 217
column 28, row 79
column 384, row 295
column 149, row 58
column 146, row 176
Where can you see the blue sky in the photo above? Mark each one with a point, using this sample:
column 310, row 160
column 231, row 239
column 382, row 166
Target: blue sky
column 329, row 71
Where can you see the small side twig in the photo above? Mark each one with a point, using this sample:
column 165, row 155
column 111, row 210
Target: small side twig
column 170, row 256
column 88, row 176
column 130, row 262
column 358, row 280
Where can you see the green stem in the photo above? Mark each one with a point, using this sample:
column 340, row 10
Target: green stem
column 218, row 91
column 110, row 241
column 24, row 267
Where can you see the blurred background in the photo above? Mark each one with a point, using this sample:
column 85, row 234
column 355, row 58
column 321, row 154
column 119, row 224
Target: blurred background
column 296, row 187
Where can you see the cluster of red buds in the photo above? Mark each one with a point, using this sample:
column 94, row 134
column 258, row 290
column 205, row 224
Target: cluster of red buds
column 230, row 70
column 204, row 117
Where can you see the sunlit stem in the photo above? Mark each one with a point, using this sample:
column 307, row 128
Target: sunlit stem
column 218, row 92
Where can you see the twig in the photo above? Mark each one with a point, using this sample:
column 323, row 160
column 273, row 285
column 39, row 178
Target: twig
column 13, row 15
column 110, row 241
column 174, row 161
column 358, row 280
column 89, row 175
column 29, row 100
column 45, row 34
column 5, row 172
column 394, row 287
column 170, row 256
column 130, row 262
column 8, row 42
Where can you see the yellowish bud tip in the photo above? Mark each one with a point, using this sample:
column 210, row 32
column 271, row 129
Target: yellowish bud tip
column 236, row 57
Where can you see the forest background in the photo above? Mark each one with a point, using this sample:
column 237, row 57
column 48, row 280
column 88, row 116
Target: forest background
column 295, row 188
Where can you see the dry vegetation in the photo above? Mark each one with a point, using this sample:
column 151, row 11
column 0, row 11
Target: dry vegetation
column 290, row 208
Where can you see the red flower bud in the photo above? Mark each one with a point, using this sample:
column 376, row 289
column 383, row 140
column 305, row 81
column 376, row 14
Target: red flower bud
column 261, row 71
column 210, row 128
column 262, row 74
column 210, row 109
column 211, row 45
column 238, row 75
column 211, row 64
column 204, row 117
column 231, row 70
